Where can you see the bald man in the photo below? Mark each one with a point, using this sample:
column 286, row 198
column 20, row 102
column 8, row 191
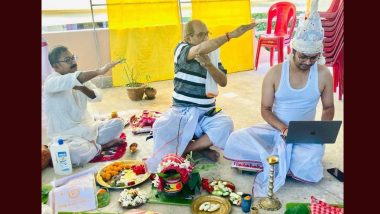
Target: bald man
column 193, row 114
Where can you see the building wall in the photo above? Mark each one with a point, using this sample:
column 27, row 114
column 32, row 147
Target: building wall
column 82, row 44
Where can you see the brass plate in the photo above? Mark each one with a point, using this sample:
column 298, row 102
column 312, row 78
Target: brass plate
column 140, row 180
column 225, row 206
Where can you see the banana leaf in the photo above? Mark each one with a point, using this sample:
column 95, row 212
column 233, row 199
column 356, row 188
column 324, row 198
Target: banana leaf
column 298, row 209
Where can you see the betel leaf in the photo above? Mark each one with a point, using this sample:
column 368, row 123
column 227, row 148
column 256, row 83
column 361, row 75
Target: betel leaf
column 103, row 197
column 46, row 188
column 194, row 181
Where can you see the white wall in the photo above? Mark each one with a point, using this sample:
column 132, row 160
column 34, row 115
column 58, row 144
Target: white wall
column 82, row 44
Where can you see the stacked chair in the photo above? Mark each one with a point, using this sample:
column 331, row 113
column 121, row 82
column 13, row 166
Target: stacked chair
column 333, row 24
column 284, row 14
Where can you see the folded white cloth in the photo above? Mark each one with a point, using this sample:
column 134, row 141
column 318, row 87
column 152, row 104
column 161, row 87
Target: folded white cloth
column 211, row 85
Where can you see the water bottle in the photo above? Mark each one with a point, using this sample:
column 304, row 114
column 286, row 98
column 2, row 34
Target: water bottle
column 60, row 155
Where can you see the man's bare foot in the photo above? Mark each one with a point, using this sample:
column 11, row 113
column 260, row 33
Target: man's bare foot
column 210, row 154
column 112, row 143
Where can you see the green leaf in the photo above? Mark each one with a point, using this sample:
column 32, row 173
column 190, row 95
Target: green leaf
column 169, row 176
column 204, row 167
column 299, row 209
column 46, row 188
column 194, row 180
column 103, row 199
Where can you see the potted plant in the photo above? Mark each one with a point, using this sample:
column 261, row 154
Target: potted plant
column 135, row 89
column 150, row 92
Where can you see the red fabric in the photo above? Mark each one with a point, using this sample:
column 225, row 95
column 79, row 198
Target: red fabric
column 143, row 122
column 320, row 207
column 112, row 153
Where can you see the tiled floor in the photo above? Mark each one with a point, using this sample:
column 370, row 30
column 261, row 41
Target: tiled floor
column 241, row 100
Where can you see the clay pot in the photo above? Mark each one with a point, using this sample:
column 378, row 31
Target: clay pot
column 136, row 93
column 150, row 93
column 173, row 186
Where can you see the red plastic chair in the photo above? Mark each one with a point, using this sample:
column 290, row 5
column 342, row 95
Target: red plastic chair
column 333, row 24
column 335, row 5
column 285, row 13
column 326, row 22
column 338, row 70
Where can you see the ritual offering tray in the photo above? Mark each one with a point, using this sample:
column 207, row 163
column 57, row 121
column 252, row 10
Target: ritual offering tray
column 210, row 204
column 235, row 198
column 143, row 122
column 221, row 188
column 122, row 174
column 132, row 198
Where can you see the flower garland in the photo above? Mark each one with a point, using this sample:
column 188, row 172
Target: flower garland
column 173, row 162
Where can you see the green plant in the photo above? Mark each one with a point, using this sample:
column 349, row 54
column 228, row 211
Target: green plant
column 197, row 166
column 148, row 78
column 132, row 76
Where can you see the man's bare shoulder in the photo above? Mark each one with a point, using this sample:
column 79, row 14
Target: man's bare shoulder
column 275, row 71
column 324, row 72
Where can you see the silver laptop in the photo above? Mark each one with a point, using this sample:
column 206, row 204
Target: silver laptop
column 319, row 132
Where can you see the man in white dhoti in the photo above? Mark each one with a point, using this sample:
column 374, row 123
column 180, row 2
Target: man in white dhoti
column 193, row 113
column 66, row 93
column 290, row 92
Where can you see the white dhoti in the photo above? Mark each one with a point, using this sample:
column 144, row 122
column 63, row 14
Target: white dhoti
column 255, row 144
column 174, row 130
column 83, row 150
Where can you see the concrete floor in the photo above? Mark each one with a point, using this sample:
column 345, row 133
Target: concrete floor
column 241, row 100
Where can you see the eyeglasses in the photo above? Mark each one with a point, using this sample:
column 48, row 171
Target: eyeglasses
column 202, row 34
column 69, row 59
column 303, row 57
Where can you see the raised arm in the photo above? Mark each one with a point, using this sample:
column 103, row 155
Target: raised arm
column 267, row 100
column 213, row 44
column 88, row 75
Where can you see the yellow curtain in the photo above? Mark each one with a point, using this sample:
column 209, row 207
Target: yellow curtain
column 224, row 16
column 145, row 33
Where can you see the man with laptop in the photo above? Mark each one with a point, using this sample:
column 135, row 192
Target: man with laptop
column 290, row 92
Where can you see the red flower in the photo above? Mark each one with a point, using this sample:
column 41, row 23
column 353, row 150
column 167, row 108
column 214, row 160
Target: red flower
column 138, row 169
column 152, row 176
column 206, row 186
column 178, row 186
column 231, row 186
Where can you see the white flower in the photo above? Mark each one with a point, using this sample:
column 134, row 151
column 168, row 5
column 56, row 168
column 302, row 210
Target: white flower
column 156, row 181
